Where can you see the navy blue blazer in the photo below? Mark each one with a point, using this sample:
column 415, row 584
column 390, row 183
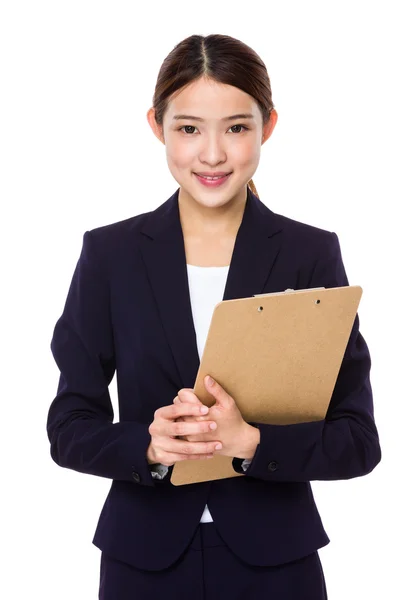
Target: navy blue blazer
column 128, row 311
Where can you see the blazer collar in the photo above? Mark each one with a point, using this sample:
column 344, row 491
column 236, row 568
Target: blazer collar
column 256, row 247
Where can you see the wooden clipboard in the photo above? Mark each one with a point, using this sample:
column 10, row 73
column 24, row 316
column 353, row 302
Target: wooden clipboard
column 278, row 355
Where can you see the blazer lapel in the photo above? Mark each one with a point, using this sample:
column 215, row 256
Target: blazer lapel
column 163, row 251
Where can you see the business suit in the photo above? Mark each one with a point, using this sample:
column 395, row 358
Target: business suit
column 128, row 311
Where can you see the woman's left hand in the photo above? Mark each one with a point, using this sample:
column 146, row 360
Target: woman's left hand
column 231, row 427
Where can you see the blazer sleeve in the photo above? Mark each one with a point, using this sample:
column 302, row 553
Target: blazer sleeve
column 343, row 445
column 80, row 424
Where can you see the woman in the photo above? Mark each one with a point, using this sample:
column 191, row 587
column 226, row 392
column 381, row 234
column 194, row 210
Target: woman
column 140, row 303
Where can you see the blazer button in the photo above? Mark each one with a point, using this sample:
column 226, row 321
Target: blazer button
column 272, row 466
column 135, row 476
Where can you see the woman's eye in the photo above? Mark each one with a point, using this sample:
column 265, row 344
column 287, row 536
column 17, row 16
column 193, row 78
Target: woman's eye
column 185, row 126
column 243, row 127
column 193, row 127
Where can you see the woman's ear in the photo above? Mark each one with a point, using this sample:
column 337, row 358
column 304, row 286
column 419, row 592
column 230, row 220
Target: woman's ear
column 269, row 126
column 157, row 129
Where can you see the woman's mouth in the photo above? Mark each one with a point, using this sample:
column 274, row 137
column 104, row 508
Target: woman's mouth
column 212, row 182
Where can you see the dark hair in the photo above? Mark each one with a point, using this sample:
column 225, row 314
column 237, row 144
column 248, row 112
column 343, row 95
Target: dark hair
column 218, row 57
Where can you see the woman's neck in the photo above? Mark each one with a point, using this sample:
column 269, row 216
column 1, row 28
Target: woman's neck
column 208, row 222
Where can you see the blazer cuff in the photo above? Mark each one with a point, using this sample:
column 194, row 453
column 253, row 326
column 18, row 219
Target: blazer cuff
column 158, row 471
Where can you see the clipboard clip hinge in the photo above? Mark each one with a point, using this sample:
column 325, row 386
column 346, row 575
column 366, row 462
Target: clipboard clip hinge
column 288, row 291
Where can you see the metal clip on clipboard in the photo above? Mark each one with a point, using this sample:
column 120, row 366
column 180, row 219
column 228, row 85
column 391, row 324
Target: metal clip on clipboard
column 288, row 291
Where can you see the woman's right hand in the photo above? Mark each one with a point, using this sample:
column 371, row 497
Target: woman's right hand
column 165, row 449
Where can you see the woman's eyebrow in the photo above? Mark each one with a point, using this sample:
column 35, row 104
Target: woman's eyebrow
column 231, row 118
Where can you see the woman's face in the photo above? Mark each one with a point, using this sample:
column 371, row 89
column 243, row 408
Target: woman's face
column 204, row 140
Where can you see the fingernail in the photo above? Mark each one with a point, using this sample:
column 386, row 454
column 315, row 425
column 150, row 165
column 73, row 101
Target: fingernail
column 218, row 446
column 204, row 409
column 210, row 380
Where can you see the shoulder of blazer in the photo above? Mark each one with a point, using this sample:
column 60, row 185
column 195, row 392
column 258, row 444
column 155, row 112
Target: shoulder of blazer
column 311, row 241
column 109, row 239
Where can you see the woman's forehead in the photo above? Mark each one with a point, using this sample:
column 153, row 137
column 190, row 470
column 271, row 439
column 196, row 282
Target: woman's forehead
column 212, row 102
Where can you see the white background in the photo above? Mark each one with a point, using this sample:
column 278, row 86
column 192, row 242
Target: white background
column 77, row 79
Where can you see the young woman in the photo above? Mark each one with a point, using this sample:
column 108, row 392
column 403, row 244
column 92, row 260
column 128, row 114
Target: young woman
column 140, row 303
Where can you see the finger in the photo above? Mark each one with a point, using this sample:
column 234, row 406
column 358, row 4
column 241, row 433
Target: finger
column 187, row 395
column 173, row 411
column 202, row 418
column 183, row 447
column 189, row 419
column 180, row 428
column 223, row 399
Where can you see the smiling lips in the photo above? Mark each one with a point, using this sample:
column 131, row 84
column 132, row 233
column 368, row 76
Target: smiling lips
column 212, row 179
column 210, row 175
